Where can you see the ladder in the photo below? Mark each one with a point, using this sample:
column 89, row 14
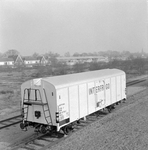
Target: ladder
column 46, row 111
column 29, row 102
column 25, row 107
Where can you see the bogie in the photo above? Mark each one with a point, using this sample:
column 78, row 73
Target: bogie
column 67, row 129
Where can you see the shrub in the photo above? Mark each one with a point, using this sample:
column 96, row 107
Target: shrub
column 6, row 92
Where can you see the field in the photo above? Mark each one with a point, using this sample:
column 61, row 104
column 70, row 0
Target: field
column 10, row 95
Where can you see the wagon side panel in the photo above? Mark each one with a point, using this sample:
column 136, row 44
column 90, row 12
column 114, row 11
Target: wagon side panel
column 73, row 103
column 123, row 80
column 83, row 100
column 91, row 98
column 107, row 92
column 113, row 90
column 118, row 87
column 63, row 106
column 50, row 97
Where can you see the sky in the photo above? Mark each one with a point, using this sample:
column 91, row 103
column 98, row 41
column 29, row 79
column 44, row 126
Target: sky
column 61, row 26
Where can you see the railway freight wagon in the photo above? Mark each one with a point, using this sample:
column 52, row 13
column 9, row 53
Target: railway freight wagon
column 54, row 103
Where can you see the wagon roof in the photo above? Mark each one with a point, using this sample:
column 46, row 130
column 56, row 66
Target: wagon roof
column 69, row 79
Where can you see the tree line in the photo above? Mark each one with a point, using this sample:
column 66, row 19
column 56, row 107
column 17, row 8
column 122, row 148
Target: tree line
column 132, row 65
column 109, row 54
column 135, row 66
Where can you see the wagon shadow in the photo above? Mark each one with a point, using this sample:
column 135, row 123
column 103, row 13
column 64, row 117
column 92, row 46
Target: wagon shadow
column 54, row 135
column 101, row 113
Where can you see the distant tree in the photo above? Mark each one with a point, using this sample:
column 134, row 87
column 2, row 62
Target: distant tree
column 95, row 66
column 94, row 54
column 126, row 53
column 67, row 54
column 1, row 55
column 80, row 67
column 84, row 54
column 76, row 54
column 11, row 52
column 114, row 64
column 51, row 54
column 61, row 68
column 52, row 57
column 56, row 55
column 137, row 55
column 35, row 55
column 111, row 53
column 130, row 57
column 53, row 61
column 138, row 64
column 101, row 53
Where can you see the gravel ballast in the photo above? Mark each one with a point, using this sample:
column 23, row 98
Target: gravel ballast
column 123, row 129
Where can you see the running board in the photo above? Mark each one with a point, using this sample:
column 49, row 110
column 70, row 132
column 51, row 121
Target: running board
column 34, row 103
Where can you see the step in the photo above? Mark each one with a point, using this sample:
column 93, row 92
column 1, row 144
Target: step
column 34, row 103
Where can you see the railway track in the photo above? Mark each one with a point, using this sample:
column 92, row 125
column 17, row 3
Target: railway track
column 135, row 81
column 42, row 142
column 10, row 121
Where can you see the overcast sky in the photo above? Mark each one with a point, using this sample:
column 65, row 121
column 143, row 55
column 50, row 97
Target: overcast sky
column 73, row 25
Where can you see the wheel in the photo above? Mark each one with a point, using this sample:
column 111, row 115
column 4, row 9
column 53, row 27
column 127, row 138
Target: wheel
column 67, row 129
column 123, row 101
column 110, row 108
column 22, row 125
column 43, row 129
column 78, row 121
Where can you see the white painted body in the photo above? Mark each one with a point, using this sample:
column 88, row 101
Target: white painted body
column 75, row 96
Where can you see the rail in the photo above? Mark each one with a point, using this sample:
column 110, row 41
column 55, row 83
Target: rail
column 10, row 121
column 135, row 81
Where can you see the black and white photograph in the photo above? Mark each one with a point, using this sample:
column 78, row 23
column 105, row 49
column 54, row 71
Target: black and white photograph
column 73, row 74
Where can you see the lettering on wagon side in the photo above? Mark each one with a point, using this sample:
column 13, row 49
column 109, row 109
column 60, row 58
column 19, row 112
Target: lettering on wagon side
column 96, row 89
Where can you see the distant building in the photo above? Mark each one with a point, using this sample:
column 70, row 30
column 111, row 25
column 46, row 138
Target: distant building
column 119, row 58
column 6, row 62
column 143, row 54
column 74, row 60
column 30, row 61
column 18, row 61
column 42, row 60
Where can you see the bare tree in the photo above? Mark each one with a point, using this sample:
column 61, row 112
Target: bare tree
column 35, row 55
column 67, row 54
column 76, row 54
column 11, row 52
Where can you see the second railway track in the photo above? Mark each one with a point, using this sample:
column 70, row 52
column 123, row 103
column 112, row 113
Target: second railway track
column 10, row 121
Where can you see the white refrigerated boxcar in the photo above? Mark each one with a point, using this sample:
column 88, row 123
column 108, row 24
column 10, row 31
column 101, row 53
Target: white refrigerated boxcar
column 53, row 103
